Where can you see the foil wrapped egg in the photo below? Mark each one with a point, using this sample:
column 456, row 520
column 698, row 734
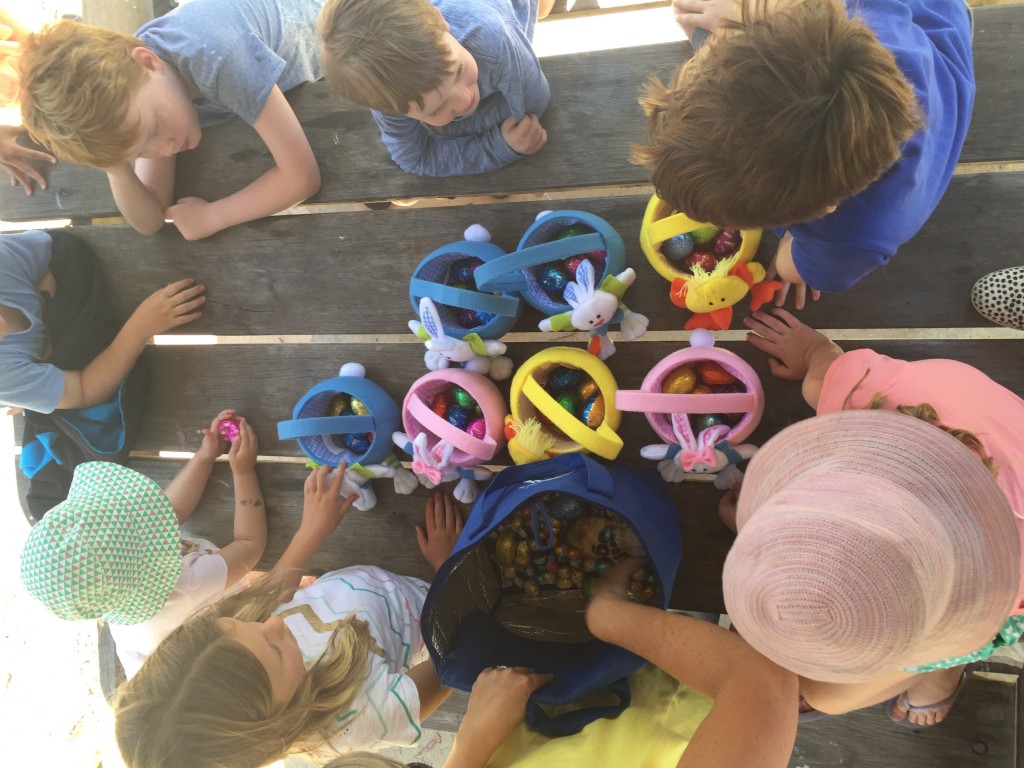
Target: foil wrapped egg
column 702, row 421
column 463, row 398
column 704, row 235
column 339, row 404
column 713, row 374
column 357, row 442
column 228, row 429
column 463, row 269
column 439, row 405
column 587, row 389
column 553, row 278
column 563, row 378
column 358, row 408
column 681, row 381
column 572, row 263
column 477, row 428
column 677, row 248
column 593, row 412
column 573, row 230
column 568, row 401
column 701, row 259
column 727, row 242
column 458, row 416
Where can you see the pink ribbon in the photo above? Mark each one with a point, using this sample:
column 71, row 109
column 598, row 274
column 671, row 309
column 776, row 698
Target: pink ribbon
column 689, row 459
column 433, row 474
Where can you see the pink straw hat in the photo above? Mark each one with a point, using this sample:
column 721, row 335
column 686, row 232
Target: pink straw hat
column 869, row 541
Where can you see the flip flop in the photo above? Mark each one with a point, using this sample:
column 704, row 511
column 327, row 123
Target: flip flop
column 926, row 708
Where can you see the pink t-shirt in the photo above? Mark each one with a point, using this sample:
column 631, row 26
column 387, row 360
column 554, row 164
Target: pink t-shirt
column 962, row 396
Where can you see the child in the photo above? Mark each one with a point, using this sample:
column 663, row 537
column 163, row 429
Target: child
column 342, row 666
column 33, row 268
column 197, row 65
column 877, row 554
column 453, row 84
column 113, row 550
column 844, row 143
column 670, row 722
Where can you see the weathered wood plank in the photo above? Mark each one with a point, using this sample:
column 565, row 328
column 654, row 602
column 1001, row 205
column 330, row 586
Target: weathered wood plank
column 588, row 89
column 321, row 274
column 979, row 731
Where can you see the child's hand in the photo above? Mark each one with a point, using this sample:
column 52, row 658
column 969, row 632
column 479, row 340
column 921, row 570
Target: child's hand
column 784, row 268
column 525, row 136
column 497, row 704
column 14, row 158
column 173, row 305
column 727, row 507
column 706, row 14
column 443, row 524
column 790, row 344
column 244, row 448
column 212, row 445
column 322, row 505
column 194, row 217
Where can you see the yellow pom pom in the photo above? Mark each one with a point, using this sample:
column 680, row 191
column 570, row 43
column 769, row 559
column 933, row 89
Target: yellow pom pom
column 530, row 442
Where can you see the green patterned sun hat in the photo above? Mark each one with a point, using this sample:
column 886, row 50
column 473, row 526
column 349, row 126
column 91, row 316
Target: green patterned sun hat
column 110, row 550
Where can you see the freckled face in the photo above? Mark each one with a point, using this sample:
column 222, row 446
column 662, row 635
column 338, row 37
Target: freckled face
column 458, row 94
column 165, row 117
column 274, row 646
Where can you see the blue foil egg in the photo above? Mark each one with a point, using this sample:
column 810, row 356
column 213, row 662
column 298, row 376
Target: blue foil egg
column 554, row 278
column 563, row 378
column 565, row 508
column 470, row 318
column 357, row 442
column 462, row 270
column 458, row 416
column 678, row 248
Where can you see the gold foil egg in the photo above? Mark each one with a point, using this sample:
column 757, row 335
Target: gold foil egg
column 339, row 404
column 593, row 412
column 359, row 409
column 588, row 388
column 680, row 381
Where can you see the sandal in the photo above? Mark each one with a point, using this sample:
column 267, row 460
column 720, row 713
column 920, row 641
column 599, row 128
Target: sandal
column 926, row 708
column 999, row 297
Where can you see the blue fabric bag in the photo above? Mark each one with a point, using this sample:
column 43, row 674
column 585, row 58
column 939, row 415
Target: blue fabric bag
column 467, row 621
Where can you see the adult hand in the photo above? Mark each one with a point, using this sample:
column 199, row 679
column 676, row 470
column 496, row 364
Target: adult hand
column 782, row 266
column 173, row 305
column 322, row 505
column 244, row 448
column 789, row 343
column 194, row 217
column 441, row 529
column 213, row 445
column 497, row 704
column 15, row 159
column 525, row 136
column 706, row 14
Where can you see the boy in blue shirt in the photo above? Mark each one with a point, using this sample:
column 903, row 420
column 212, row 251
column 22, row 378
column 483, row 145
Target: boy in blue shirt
column 105, row 99
column 454, row 85
column 837, row 123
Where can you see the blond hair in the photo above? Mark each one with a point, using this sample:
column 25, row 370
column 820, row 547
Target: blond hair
column 203, row 699
column 77, row 83
column 384, row 54
column 780, row 116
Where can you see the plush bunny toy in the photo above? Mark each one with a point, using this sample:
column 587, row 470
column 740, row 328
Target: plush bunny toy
column 595, row 308
column 475, row 354
column 707, row 453
column 433, row 466
column 357, row 481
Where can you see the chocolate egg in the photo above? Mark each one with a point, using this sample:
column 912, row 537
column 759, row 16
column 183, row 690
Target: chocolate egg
column 701, row 259
column 228, row 429
column 461, row 285
column 339, row 404
column 713, row 374
column 573, row 230
column 439, row 405
column 462, row 270
column 553, row 278
column 702, row 421
column 587, row 389
column 677, row 248
column 726, row 242
column 477, row 428
column 470, row 318
column 357, row 442
column 565, row 508
column 571, row 264
column 680, row 381
column 458, row 416
column 568, row 401
column 593, row 412
column 563, row 378
column 462, row 397
column 701, row 389
column 704, row 235
column 532, row 589
column 358, row 408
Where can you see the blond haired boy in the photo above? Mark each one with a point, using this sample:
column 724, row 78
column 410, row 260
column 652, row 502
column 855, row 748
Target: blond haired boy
column 454, row 85
column 838, row 123
column 129, row 104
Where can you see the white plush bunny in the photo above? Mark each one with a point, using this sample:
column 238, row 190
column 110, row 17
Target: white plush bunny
column 358, row 482
column 593, row 308
column 476, row 354
column 433, row 466
column 699, row 455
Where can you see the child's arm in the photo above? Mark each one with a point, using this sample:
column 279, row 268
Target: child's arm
column 753, row 720
column 322, row 510
column 186, row 489
column 784, row 267
column 250, row 539
column 143, row 192
column 797, row 351
column 428, row 685
column 294, row 177
column 173, row 305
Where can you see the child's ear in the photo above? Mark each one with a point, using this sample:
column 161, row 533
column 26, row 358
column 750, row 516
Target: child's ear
column 443, row 19
column 146, row 59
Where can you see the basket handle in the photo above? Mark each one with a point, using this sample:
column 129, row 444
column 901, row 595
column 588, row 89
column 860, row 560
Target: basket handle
column 324, row 425
column 603, row 441
column 505, row 273
column 505, row 306
column 636, row 400
column 480, row 449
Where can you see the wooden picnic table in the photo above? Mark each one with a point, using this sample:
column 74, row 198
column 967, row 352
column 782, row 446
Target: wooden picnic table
column 292, row 297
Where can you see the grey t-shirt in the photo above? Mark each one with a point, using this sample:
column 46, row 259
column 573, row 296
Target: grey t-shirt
column 24, row 380
column 233, row 52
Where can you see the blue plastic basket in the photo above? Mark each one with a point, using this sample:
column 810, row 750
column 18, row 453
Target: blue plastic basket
column 431, row 280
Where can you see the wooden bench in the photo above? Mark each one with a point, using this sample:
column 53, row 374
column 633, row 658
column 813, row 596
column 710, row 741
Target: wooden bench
column 292, row 297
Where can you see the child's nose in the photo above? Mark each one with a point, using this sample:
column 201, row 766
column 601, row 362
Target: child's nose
column 275, row 624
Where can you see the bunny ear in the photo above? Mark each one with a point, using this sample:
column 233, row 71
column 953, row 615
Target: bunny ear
column 571, row 295
column 711, row 436
column 442, row 453
column 419, row 447
column 683, row 431
column 431, row 319
column 585, row 276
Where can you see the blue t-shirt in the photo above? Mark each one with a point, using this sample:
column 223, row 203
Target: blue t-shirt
column 931, row 40
column 497, row 33
column 233, row 52
column 24, row 380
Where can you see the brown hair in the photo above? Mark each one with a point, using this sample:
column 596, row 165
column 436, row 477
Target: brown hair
column 203, row 699
column 384, row 54
column 78, row 82
column 778, row 117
